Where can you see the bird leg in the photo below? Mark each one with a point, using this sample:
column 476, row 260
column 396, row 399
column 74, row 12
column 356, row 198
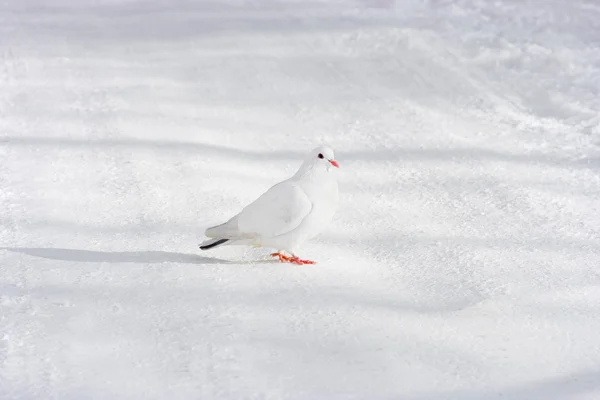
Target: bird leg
column 282, row 257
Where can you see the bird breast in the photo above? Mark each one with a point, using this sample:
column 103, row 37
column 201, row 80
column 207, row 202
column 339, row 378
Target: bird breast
column 324, row 198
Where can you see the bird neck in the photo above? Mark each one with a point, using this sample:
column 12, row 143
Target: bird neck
column 309, row 170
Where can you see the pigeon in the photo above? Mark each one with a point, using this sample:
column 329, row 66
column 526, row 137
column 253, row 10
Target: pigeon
column 287, row 214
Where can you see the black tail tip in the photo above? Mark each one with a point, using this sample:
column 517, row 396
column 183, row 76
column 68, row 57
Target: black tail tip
column 214, row 244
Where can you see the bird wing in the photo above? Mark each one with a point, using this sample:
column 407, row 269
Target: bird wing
column 279, row 210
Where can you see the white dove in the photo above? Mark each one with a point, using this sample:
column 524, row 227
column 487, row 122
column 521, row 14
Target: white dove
column 287, row 214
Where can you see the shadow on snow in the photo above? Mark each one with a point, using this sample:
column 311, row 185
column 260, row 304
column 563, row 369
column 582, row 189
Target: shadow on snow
column 142, row 257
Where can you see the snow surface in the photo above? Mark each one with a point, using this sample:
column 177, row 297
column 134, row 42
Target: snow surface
column 464, row 262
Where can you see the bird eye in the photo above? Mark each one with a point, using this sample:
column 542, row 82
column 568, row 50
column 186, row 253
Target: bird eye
column 320, row 155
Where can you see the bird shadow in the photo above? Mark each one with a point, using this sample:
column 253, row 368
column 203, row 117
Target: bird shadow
column 142, row 257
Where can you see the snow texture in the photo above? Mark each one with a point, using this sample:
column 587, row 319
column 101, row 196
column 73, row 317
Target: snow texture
column 463, row 263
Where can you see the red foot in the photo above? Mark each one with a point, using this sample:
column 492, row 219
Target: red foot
column 299, row 261
column 293, row 260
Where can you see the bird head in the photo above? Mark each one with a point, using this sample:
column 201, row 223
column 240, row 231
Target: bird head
column 323, row 156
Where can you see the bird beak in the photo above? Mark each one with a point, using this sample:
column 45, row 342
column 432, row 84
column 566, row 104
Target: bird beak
column 334, row 163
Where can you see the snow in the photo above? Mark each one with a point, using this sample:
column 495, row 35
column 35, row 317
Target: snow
column 463, row 262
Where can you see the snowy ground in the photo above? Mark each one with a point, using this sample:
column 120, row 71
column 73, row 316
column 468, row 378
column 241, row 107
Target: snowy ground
column 464, row 262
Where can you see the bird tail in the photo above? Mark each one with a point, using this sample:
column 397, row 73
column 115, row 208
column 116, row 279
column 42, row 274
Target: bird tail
column 227, row 230
column 227, row 233
column 212, row 243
